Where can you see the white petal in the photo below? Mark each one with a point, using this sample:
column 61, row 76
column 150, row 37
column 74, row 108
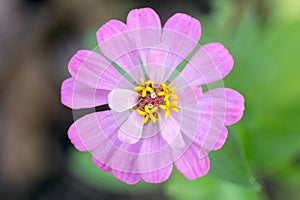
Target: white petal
column 120, row 100
column 170, row 131
column 132, row 129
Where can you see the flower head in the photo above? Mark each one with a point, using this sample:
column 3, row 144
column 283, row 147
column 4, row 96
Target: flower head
column 151, row 78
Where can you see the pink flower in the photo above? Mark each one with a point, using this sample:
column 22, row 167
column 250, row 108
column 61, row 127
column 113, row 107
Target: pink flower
column 151, row 79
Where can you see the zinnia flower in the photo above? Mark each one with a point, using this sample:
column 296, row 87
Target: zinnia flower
column 151, row 78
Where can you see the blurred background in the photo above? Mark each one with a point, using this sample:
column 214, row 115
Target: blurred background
column 259, row 161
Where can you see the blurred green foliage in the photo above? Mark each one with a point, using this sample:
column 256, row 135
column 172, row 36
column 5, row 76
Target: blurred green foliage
column 260, row 159
column 82, row 165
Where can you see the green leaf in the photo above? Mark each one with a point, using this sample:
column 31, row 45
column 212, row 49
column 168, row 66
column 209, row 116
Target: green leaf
column 230, row 163
column 272, row 118
column 274, row 150
column 207, row 188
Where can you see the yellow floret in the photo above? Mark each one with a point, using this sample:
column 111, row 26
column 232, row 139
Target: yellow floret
column 148, row 113
column 169, row 106
column 144, row 87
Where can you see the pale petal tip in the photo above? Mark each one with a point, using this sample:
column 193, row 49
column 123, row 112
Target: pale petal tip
column 109, row 29
column 65, row 94
column 120, row 100
column 158, row 176
column 185, row 25
column 143, row 17
column 75, row 139
column 127, row 177
column 142, row 11
column 126, row 138
column 100, row 165
column 235, row 108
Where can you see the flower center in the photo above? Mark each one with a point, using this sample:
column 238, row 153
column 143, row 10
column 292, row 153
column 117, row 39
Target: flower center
column 154, row 98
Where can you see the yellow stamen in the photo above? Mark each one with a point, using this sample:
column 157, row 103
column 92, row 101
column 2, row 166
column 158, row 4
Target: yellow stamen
column 144, row 92
column 174, row 103
column 144, row 87
column 175, row 109
column 166, row 88
column 141, row 112
column 148, row 113
column 142, row 81
column 161, row 93
column 167, row 113
column 146, row 119
column 167, row 92
column 169, row 106
column 153, row 118
column 138, row 88
column 174, row 96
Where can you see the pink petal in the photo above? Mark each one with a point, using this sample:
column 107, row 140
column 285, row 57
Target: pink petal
column 170, row 131
column 109, row 30
column 101, row 165
column 147, row 155
column 202, row 118
column 221, row 141
column 189, row 96
column 121, row 100
column 118, row 155
column 189, row 113
column 158, row 176
column 210, row 129
column 227, row 104
column 112, row 152
column 184, row 24
column 93, row 70
column 116, row 41
column 86, row 133
column 145, row 26
column 211, row 63
column 143, row 18
column 218, row 108
column 211, row 120
column 211, row 142
column 155, row 63
column 76, row 95
column 191, row 165
column 234, row 106
column 127, row 177
column 181, row 33
column 132, row 129
column 154, row 153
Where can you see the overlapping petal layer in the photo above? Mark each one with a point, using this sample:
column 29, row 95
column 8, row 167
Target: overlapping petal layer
column 92, row 70
column 118, row 139
column 76, row 95
column 211, row 63
column 181, row 33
